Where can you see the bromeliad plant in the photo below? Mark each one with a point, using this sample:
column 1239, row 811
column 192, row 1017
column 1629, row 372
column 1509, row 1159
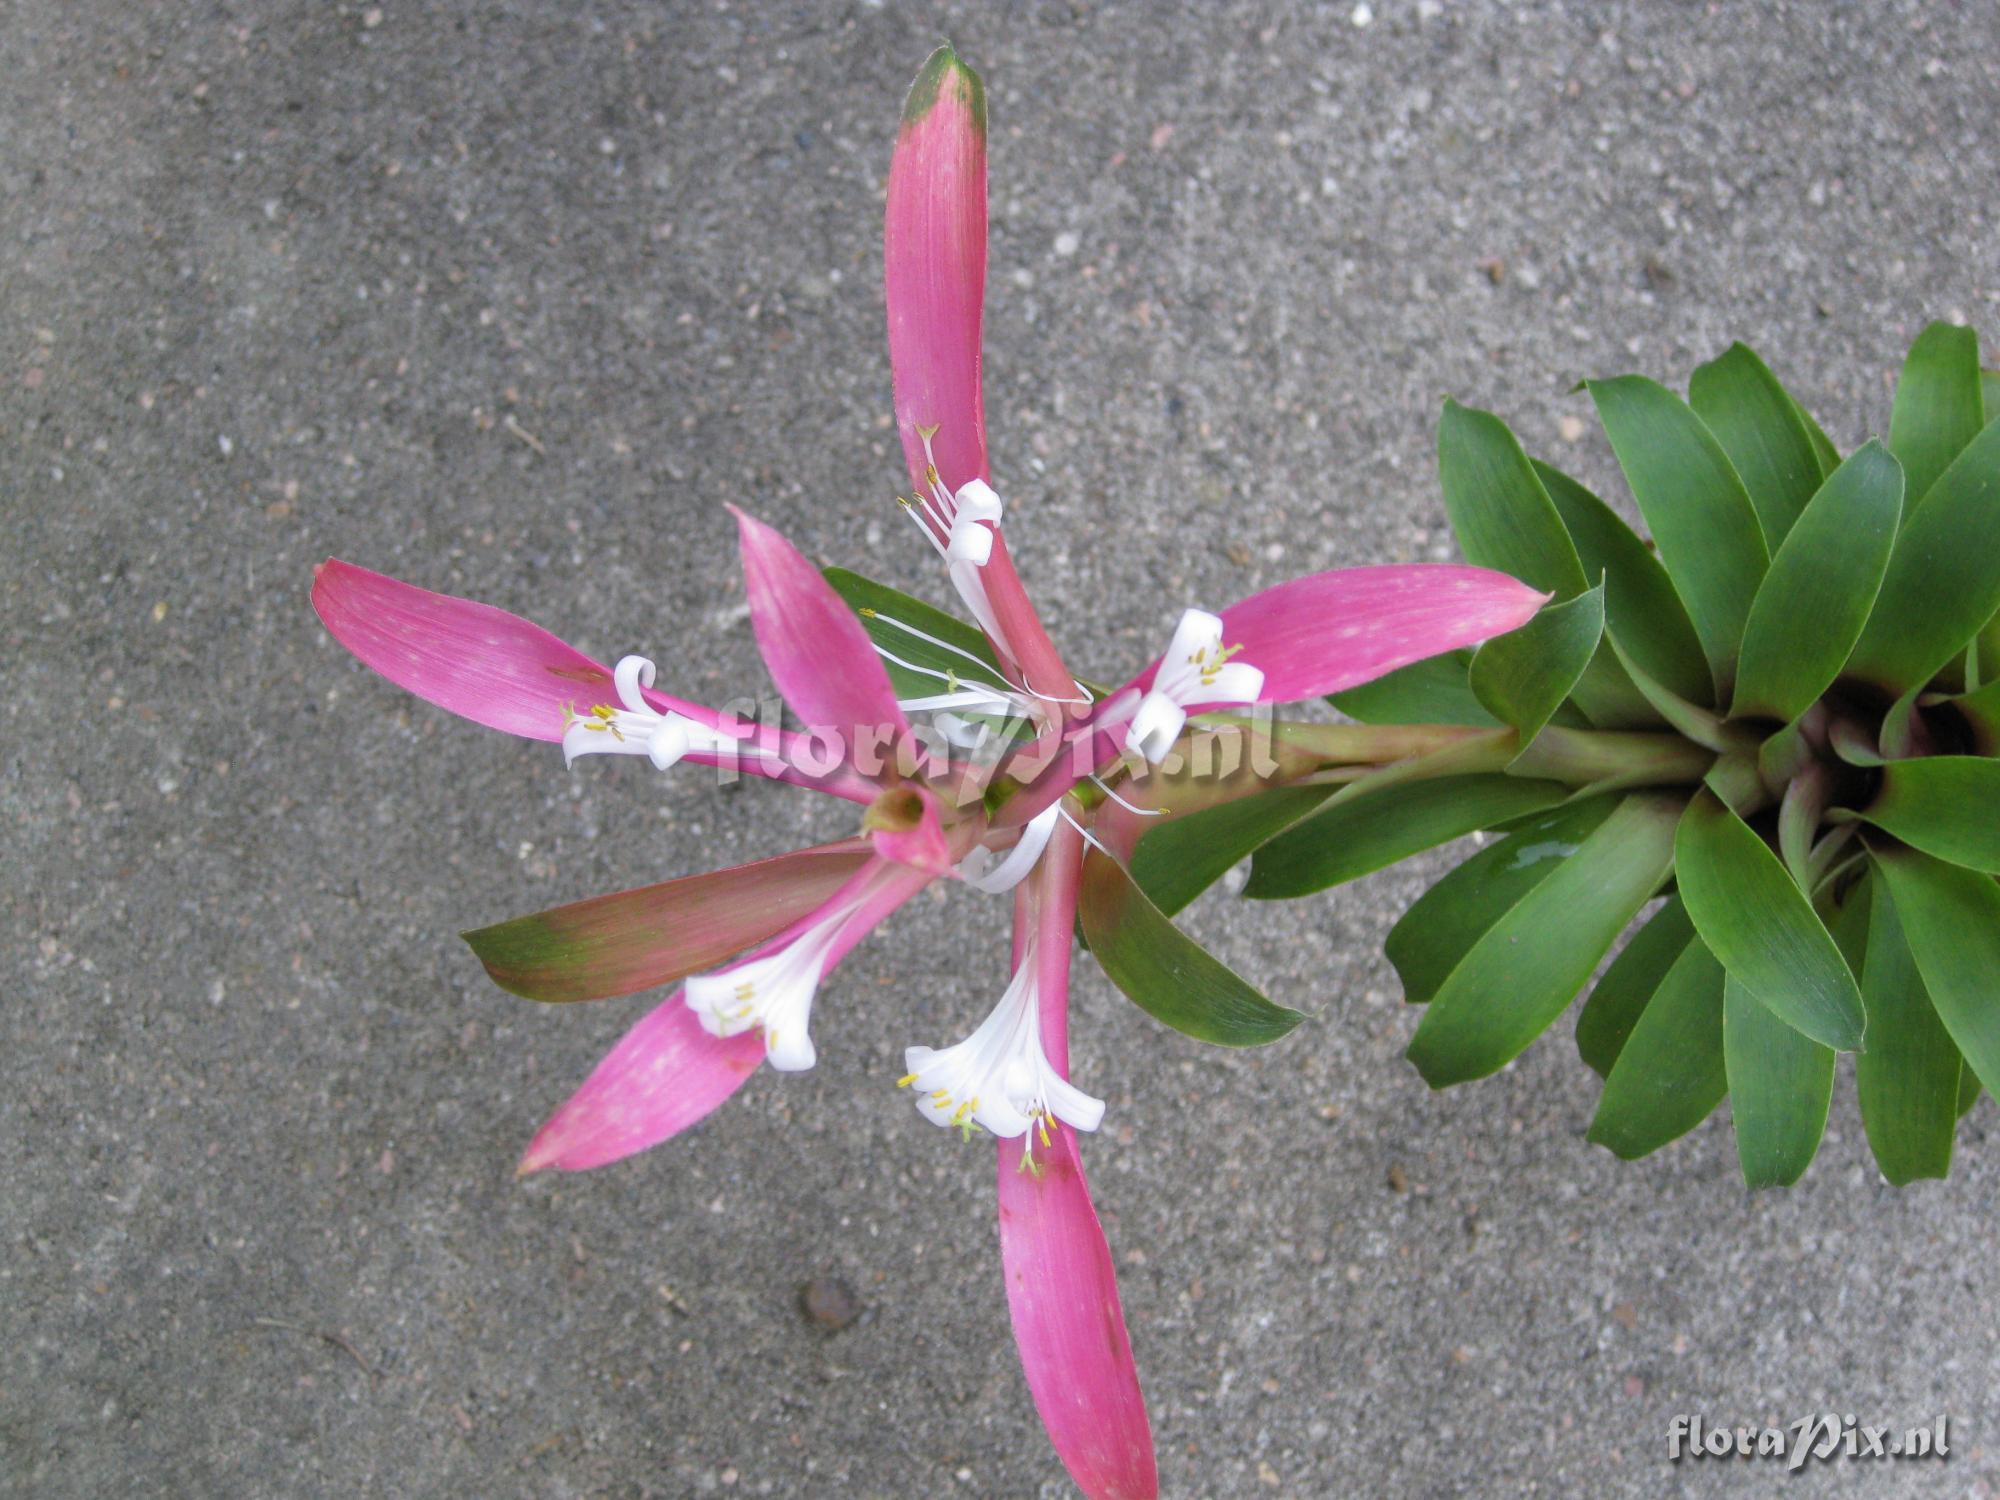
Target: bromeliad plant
column 975, row 756
column 1816, row 638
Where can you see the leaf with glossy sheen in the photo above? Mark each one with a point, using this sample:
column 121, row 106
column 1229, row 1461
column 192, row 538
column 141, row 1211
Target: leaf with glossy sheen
column 1703, row 523
column 1812, row 605
column 1908, row 1079
column 1943, row 581
column 1164, row 971
column 656, row 934
column 1615, row 1005
column 1939, row 407
column 1641, row 609
column 1758, row 922
column 1522, row 677
column 1179, row 859
column 1669, row 1075
column 1762, row 431
column 1499, row 511
column 1436, row 690
column 1951, row 919
column 1348, row 838
column 1518, row 977
column 1780, row 1084
column 1436, row 932
column 1946, row 805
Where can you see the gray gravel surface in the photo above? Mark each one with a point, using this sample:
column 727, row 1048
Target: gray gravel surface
column 507, row 298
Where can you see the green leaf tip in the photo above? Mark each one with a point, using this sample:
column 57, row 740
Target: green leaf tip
column 945, row 70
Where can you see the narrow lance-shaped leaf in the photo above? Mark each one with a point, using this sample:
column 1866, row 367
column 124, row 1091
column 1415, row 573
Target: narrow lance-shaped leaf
column 1502, row 516
column 1178, row 860
column 1351, row 837
column 657, row 934
column 934, row 269
column 1641, row 610
column 1669, row 1075
column 1939, row 407
column 1166, row 973
column 1759, row 923
column 1518, row 977
column 1440, row 929
column 1950, row 917
column 1946, row 805
column 1522, row 677
column 1943, row 581
column 1812, row 605
column 1780, row 1084
column 1694, row 503
column 1762, row 431
column 1908, row 1079
column 1615, row 1005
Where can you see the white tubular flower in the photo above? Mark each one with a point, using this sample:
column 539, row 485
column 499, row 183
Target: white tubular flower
column 1196, row 670
column 999, row 1079
column 773, row 992
column 636, row 727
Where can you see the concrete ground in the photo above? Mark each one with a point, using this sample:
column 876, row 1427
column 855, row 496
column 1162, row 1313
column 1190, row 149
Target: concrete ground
column 507, row 298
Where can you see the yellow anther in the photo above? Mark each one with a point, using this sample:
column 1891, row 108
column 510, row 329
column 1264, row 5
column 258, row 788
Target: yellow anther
column 1043, row 1122
column 930, row 474
column 906, row 1080
column 865, row 612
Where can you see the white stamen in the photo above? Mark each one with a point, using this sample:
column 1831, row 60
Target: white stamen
column 1196, row 672
column 1145, row 812
column 637, row 728
column 983, row 870
column 999, row 1078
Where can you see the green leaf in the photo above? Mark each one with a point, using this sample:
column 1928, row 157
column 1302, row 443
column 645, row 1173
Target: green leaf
column 1166, row 973
column 1943, row 581
column 1444, row 923
column 893, row 621
column 1759, row 923
column 1945, row 805
column 1522, row 677
column 1968, row 1090
column 1780, row 1084
column 1989, row 389
column 1704, row 727
column 1669, row 1075
column 1908, row 1079
column 1351, row 837
column 1502, row 516
column 1951, row 919
column 1641, row 609
column 1436, row 690
column 1814, row 602
column 657, row 934
column 1614, row 1007
column 1829, row 456
column 1938, row 407
column 1178, row 859
column 1701, row 518
column 1762, row 430
column 1518, row 977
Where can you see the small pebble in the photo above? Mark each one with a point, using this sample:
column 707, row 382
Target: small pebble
column 829, row 1303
